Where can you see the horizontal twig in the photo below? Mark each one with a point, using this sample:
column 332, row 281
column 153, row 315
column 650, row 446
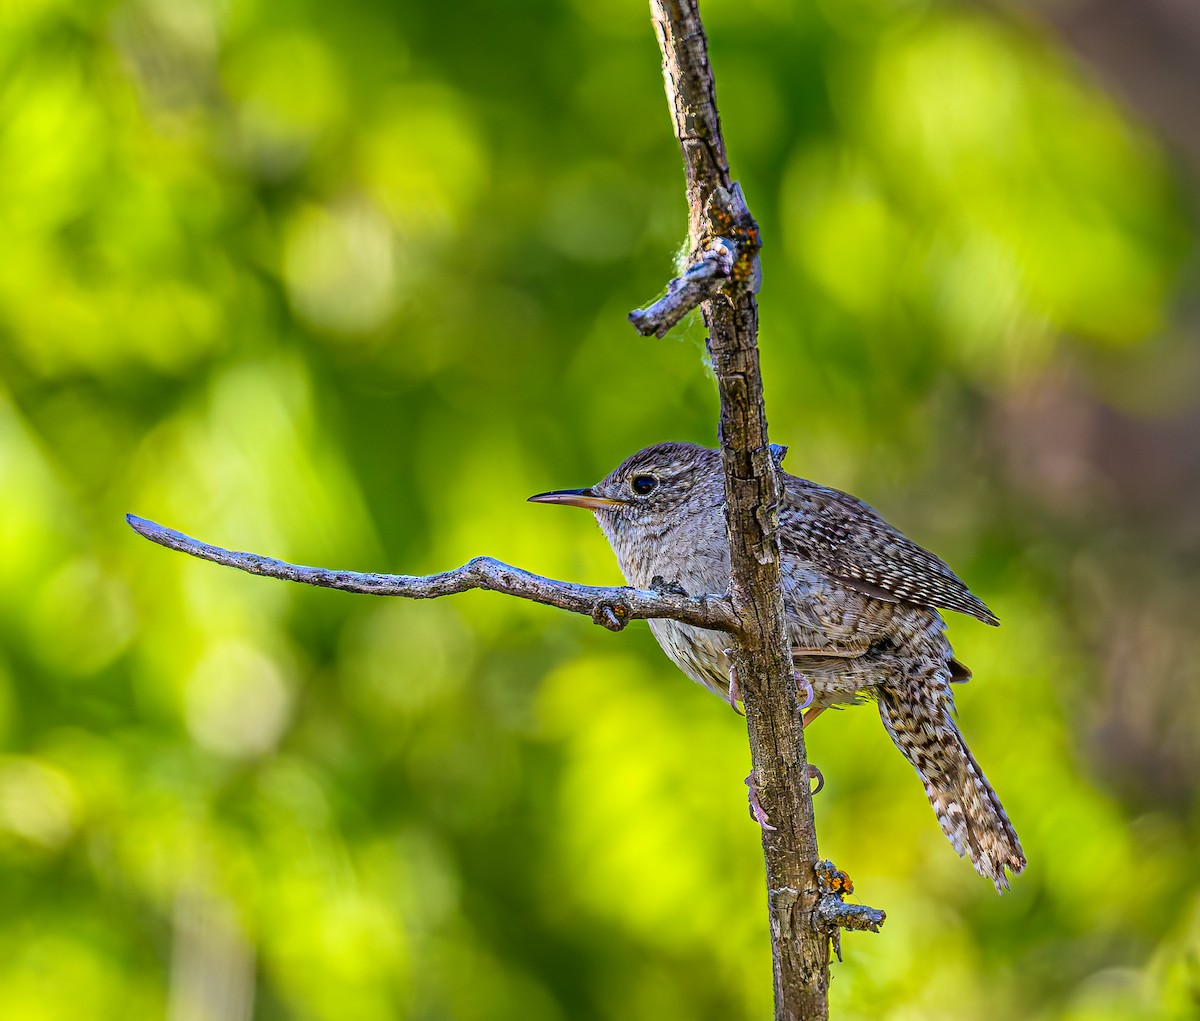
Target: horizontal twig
column 609, row 606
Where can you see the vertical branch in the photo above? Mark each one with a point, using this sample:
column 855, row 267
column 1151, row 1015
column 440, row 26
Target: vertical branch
column 800, row 950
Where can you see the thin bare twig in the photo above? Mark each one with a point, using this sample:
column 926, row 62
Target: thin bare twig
column 833, row 914
column 705, row 275
column 609, row 606
column 730, row 257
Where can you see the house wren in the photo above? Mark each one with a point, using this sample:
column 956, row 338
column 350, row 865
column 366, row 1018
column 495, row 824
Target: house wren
column 862, row 607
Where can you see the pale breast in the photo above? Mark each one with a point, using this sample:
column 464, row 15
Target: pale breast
column 699, row 653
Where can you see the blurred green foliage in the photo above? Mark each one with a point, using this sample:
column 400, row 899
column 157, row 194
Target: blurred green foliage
column 344, row 284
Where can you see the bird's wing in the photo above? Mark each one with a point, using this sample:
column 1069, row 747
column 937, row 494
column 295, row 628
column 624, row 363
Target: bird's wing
column 847, row 540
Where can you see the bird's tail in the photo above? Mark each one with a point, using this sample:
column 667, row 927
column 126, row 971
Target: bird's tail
column 921, row 724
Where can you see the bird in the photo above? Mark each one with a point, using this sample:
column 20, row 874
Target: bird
column 862, row 606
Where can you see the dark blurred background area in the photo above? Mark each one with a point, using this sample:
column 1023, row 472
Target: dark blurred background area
column 344, row 284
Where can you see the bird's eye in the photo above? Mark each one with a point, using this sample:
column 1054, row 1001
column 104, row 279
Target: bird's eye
column 643, row 485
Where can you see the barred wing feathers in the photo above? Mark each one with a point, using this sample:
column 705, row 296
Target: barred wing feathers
column 847, row 540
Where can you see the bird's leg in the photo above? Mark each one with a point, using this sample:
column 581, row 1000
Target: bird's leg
column 757, row 812
column 810, row 715
column 735, row 690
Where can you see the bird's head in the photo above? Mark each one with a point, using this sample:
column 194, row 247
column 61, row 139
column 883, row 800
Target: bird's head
column 656, row 486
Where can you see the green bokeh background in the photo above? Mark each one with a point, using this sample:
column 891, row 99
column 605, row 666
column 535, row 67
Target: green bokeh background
column 346, row 283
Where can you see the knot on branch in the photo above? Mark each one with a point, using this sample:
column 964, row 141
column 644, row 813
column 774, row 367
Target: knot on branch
column 832, row 914
column 613, row 616
column 725, row 256
column 728, row 219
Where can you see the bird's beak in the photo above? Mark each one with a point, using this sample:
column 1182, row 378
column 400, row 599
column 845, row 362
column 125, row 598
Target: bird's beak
column 576, row 498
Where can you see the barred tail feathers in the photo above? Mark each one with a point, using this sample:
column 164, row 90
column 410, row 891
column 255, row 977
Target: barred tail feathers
column 922, row 726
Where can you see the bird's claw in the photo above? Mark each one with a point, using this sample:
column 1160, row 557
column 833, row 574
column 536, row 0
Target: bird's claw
column 815, row 774
column 809, row 695
column 810, row 711
column 757, row 812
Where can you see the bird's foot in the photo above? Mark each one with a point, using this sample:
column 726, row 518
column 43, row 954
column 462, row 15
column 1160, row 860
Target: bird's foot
column 757, row 812
column 734, row 694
